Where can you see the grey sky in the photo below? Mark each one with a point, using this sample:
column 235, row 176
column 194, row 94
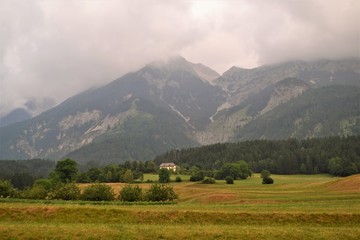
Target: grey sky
column 57, row 48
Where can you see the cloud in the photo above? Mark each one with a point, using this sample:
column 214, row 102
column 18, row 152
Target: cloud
column 58, row 48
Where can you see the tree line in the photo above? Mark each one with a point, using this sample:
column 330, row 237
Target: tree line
column 126, row 172
column 61, row 184
column 338, row 156
column 23, row 173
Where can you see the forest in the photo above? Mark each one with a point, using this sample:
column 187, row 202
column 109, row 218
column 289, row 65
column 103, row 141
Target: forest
column 338, row 156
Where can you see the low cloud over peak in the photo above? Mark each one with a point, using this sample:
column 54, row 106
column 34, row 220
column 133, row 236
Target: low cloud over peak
column 58, row 48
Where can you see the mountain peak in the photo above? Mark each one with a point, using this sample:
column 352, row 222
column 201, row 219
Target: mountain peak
column 169, row 61
column 177, row 62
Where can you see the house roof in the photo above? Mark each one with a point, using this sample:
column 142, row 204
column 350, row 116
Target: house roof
column 167, row 165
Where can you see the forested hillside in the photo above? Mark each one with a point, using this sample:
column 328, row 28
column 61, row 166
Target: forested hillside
column 334, row 155
column 22, row 173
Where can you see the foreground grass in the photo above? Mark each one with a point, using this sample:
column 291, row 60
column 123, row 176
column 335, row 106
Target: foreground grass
column 295, row 207
column 144, row 231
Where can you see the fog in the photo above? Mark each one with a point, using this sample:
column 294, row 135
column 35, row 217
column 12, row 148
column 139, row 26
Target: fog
column 59, row 48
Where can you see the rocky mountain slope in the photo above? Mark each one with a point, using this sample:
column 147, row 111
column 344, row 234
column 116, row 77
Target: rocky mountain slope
column 240, row 83
column 326, row 111
column 175, row 103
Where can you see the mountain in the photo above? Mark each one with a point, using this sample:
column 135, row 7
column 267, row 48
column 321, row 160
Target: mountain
column 145, row 131
column 138, row 116
column 241, row 83
column 175, row 104
column 227, row 121
column 253, row 92
column 327, row 111
column 31, row 108
column 16, row 115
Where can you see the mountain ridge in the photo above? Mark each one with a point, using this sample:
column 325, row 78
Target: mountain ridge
column 167, row 105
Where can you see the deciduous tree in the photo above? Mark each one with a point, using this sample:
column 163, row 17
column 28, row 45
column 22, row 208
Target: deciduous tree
column 66, row 170
column 164, row 175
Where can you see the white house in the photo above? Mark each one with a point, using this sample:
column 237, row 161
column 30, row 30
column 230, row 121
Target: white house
column 169, row 166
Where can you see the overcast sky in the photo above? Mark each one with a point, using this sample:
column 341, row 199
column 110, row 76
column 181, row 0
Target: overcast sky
column 58, row 48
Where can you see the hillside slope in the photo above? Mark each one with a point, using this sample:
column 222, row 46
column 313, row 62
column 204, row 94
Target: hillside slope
column 327, row 111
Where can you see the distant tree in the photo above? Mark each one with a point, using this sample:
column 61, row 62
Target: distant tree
column 46, row 183
column 161, row 192
column 164, row 175
column 127, row 165
column 229, row 180
column 128, row 176
column 6, row 189
column 131, row 194
column 303, row 168
column 149, row 167
column 22, row 180
column 65, row 191
column 138, row 175
column 341, row 167
column 208, row 180
column 194, row 170
column 39, row 190
column 83, row 178
column 238, row 170
column 35, row 192
column 110, row 173
column 245, row 171
column 267, row 180
column 265, row 173
column 95, row 175
column 98, row 192
column 178, row 179
column 198, row 175
column 66, row 170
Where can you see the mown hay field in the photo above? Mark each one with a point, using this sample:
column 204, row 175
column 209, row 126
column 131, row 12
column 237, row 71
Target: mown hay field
column 294, row 207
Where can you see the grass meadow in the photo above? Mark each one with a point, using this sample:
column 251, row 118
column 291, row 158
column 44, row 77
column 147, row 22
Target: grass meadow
column 294, row 207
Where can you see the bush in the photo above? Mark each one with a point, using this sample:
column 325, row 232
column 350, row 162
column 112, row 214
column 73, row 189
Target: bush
column 178, row 179
column 6, row 189
column 45, row 183
column 130, row 194
column 68, row 191
column 229, row 180
column 265, row 174
column 267, row 180
column 196, row 178
column 98, row 192
column 36, row 192
column 161, row 192
column 208, row 180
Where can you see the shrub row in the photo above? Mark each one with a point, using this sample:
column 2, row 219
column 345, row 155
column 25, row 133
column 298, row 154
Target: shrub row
column 156, row 193
column 94, row 192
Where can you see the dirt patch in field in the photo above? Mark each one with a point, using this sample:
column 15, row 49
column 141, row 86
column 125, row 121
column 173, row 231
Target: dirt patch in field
column 348, row 184
column 218, row 198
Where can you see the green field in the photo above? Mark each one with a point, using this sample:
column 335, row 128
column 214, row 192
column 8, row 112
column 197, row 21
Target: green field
column 295, row 207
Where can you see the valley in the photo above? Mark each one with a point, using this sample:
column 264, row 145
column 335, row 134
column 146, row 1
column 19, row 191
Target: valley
column 296, row 207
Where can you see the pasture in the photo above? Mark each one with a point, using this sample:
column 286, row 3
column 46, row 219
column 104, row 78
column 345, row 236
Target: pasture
column 294, row 207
